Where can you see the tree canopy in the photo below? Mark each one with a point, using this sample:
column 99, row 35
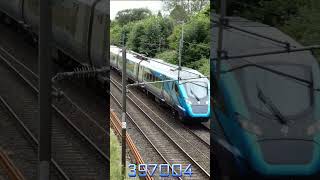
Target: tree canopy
column 159, row 36
column 129, row 15
column 189, row 6
column 298, row 18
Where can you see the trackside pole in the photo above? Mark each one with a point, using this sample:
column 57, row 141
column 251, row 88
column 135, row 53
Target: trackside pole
column 220, row 37
column 45, row 90
column 124, row 111
column 180, row 51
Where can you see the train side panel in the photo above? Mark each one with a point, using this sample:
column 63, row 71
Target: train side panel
column 114, row 60
column 99, row 35
column 131, row 69
column 71, row 25
column 156, row 89
column 13, row 8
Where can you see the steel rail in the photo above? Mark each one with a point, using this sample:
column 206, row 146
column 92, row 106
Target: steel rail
column 32, row 137
column 142, row 132
column 116, row 123
column 12, row 171
column 196, row 136
column 166, row 134
column 88, row 140
column 113, row 81
column 55, row 89
column 61, row 115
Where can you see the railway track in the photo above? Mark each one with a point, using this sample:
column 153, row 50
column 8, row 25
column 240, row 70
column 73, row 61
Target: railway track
column 200, row 132
column 23, row 142
column 77, row 151
column 97, row 132
column 169, row 143
column 12, row 172
column 116, row 124
column 164, row 160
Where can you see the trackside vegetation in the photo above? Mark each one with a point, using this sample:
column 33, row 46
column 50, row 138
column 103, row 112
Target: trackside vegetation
column 300, row 19
column 158, row 34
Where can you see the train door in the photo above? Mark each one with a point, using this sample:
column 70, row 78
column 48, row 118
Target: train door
column 162, row 92
column 167, row 88
column 175, row 94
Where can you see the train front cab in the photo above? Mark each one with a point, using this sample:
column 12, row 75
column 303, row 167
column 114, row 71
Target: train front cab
column 248, row 137
column 193, row 100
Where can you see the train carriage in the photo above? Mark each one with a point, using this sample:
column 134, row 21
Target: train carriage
column 266, row 107
column 188, row 97
column 78, row 26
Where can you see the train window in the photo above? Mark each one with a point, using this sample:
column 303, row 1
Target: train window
column 130, row 66
column 158, row 84
column 176, row 89
column 290, row 97
column 145, row 75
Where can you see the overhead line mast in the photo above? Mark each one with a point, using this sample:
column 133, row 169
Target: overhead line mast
column 180, row 51
column 222, row 20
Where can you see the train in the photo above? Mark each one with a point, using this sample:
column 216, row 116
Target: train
column 79, row 27
column 188, row 96
column 266, row 108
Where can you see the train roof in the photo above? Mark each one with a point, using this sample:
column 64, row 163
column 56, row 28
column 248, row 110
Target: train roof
column 162, row 67
column 239, row 43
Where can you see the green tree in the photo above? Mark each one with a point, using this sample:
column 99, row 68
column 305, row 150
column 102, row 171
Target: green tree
column 305, row 27
column 115, row 34
column 179, row 14
column 189, row 6
column 271, row 12
column 130, row 15
column 170, row 56
column 149, row 36
column 196, row 39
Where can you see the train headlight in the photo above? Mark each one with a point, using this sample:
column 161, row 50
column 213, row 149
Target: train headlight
column 248, row 125
column 188, row 102
column 314, row 128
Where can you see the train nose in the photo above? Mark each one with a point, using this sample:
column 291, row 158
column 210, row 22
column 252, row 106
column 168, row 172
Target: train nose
column 279, row 152
column 288, row 157
column 199, row 109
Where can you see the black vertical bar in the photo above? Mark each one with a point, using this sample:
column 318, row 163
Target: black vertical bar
column 45, row 90
column 124, row 110
column 220, row 38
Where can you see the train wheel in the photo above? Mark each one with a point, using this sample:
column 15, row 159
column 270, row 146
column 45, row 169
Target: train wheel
column 179, row 116
column 158, row 100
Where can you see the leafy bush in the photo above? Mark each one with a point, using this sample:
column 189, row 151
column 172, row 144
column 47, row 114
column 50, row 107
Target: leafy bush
column 158, row 36
column 170, row 56
column 306, row 26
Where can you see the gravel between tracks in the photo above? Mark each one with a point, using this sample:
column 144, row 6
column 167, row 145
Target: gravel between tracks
column 171, row 152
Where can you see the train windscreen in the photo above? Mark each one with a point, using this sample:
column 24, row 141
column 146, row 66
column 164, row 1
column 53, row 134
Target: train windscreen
column 197, row 90
column 290, row 96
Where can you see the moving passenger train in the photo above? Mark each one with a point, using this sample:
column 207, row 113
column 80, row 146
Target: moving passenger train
column 267, row 107
column 79, row 26
column 189, row 97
